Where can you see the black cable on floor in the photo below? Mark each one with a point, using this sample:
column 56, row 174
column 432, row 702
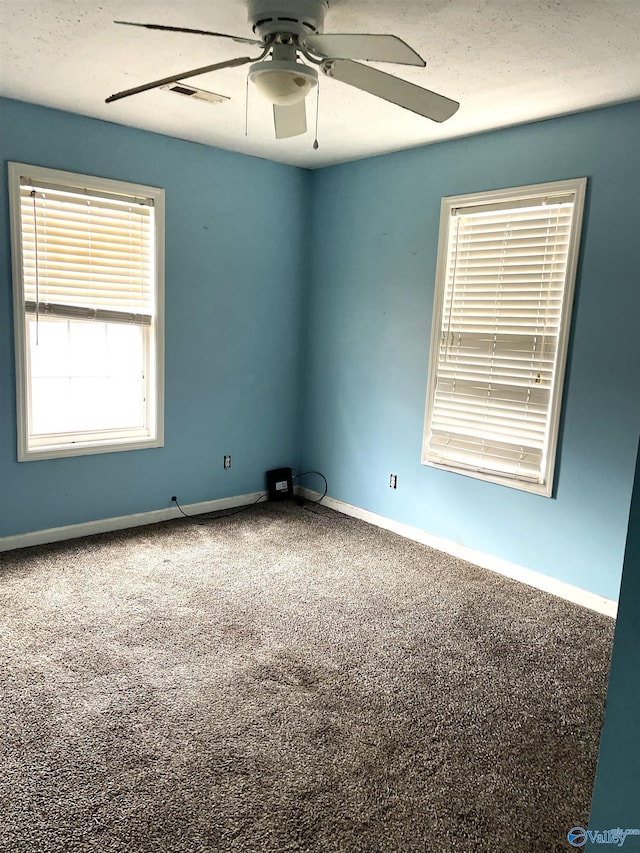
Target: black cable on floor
column 319, row 474
column 206, row 517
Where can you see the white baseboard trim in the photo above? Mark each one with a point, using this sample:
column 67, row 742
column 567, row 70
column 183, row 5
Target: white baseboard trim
column 105, row 525
column 486, row 561
column 478, row 558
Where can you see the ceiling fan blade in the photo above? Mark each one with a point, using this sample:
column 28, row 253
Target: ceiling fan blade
column 174, row 78
column 239, row 39
column 375, row 48
column 290, row 121
column 393, row 89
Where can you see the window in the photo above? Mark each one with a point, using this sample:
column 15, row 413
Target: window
column 504, row 290
column 88, row 256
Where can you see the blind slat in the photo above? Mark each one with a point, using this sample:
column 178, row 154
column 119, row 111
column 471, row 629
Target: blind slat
column 76, row 312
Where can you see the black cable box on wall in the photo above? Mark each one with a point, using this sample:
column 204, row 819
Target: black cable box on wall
column 280, row 484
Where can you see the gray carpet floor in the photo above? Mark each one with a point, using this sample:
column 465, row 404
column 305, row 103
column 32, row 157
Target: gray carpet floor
column 289, row 680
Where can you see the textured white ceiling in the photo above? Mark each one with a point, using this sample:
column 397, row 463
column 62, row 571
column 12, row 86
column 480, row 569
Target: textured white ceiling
column 506, row 61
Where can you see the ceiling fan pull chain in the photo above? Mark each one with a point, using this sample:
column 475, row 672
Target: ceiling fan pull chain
column 246, row 108
column 315, row 141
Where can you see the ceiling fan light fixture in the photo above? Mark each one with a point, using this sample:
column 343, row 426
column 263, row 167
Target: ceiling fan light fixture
column 283, row 83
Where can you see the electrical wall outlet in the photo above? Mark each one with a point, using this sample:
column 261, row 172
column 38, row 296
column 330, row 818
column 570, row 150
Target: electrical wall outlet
column 393, row 481
column 227, row 462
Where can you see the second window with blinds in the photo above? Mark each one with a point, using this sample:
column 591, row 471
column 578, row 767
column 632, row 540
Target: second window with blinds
column 88, row 297
column 504, row 291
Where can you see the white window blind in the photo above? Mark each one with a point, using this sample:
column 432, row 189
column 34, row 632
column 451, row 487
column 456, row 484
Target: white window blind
column 86, row 256
column 88, row 283
column 499, row 335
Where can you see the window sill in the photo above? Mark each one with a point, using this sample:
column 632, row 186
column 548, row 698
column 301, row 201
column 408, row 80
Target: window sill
column 87, row 448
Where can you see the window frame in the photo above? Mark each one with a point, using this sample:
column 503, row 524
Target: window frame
column 104, row 441
column 503, row 197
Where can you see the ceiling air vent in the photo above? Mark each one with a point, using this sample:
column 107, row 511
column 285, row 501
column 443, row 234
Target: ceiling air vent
column 195, row 94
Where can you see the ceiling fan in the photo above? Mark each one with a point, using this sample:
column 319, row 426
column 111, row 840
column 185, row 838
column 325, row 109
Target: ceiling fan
column 288, row 30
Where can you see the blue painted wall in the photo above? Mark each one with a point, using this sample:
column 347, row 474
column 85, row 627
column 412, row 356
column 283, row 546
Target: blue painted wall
column 235, row 235
column 616, row 795
column 289, row 292
column 375, row 225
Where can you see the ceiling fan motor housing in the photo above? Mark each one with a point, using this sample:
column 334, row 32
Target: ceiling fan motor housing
column 299, row 17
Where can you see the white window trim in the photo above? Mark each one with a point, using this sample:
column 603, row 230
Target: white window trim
column 514, row 194
column 156, row 380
